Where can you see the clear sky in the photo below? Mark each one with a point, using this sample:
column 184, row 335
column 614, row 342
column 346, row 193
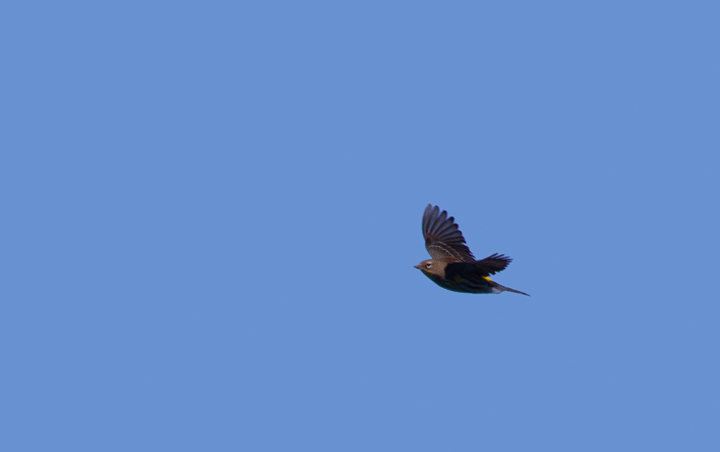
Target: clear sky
column 211, row 213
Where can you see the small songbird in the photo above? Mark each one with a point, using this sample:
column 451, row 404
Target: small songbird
column 453, row 266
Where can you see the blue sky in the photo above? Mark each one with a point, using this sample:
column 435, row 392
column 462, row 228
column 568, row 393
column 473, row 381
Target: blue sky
column 212, row 212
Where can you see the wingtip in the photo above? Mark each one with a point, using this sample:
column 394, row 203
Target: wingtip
column 428, row 211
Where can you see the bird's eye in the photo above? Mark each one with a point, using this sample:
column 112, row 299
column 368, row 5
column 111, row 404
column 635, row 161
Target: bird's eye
column 428, row 265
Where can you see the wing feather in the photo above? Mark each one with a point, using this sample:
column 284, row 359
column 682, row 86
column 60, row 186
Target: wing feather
column 443, row 238
column 493, row 264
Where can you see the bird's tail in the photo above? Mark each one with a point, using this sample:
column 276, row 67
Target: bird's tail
column 501, row 288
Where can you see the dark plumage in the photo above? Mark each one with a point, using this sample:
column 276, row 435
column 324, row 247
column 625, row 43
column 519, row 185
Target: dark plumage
column 453, row 266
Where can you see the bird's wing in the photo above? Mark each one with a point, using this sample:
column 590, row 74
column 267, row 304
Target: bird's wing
column 442, row 237
column 493, row 264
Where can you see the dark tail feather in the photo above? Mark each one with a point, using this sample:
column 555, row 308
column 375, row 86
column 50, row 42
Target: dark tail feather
column 507, row 289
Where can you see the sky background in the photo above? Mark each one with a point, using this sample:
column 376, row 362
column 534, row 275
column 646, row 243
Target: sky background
column 211, row 212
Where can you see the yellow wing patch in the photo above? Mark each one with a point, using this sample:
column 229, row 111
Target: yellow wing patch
column 487, row 278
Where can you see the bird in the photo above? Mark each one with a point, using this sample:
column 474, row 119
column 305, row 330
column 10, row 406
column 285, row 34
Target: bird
column 453, row 266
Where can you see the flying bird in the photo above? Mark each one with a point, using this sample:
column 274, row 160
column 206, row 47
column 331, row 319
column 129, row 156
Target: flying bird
column 453, row 266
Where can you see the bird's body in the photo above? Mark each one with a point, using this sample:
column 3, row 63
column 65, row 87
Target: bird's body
column 453, row 266
column 455, row 280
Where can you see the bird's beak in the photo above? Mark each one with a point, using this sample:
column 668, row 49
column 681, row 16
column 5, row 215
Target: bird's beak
column 417, row 266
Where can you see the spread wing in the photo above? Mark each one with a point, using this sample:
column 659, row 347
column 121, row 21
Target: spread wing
column 442, row 237
column 493, row 264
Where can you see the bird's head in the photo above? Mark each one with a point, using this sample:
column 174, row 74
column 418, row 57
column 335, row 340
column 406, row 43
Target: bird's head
column 432, row 267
